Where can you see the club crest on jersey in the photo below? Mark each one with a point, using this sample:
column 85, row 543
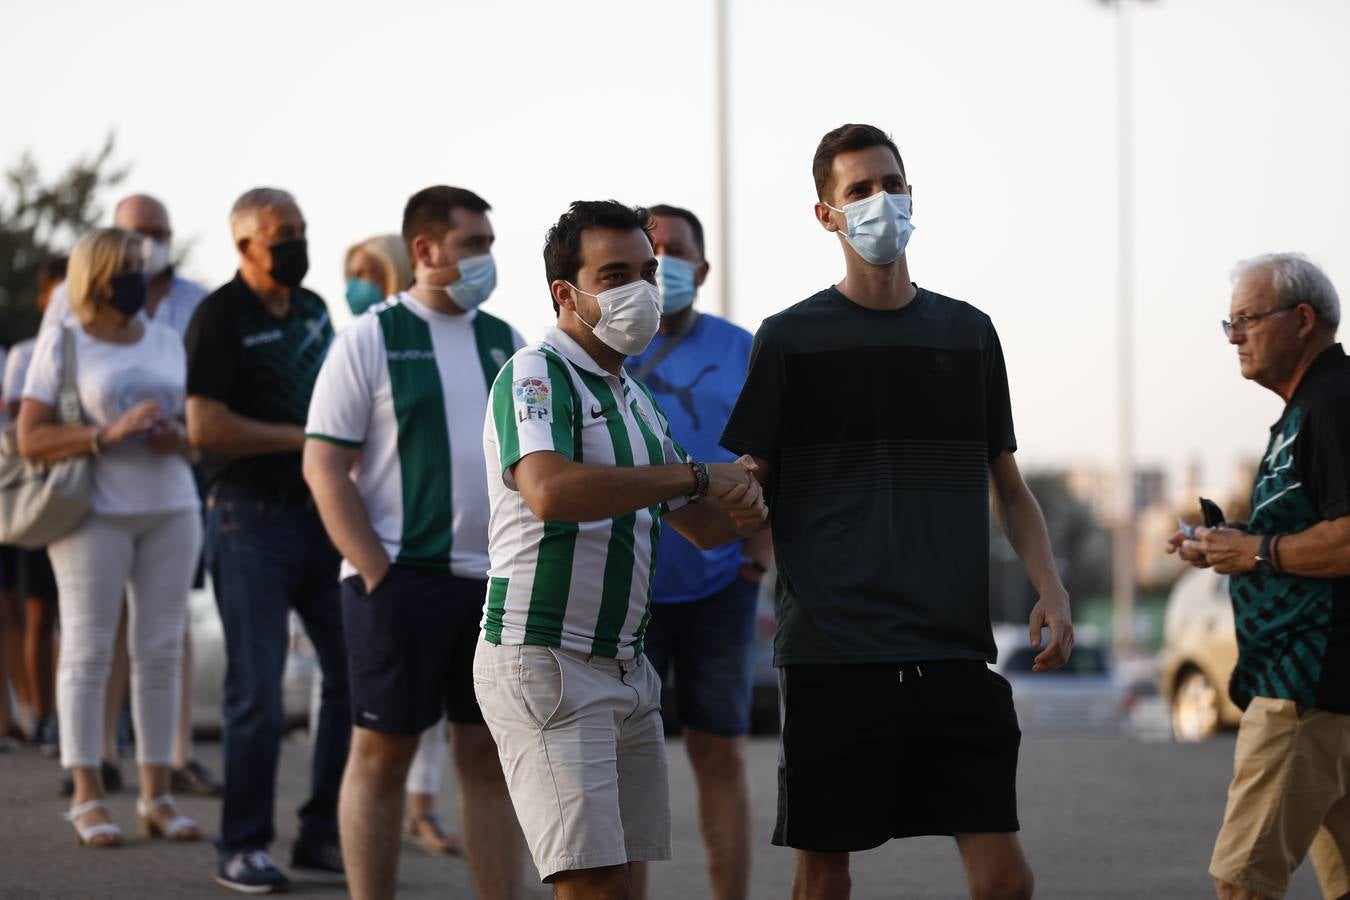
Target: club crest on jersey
column 533, row 399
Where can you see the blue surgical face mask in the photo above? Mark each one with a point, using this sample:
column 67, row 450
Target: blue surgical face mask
column 477, row 279
column 362, row 295
column 675, row 281
column 878, row 227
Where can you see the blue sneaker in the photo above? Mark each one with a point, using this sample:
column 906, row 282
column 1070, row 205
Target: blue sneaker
column 251, row 872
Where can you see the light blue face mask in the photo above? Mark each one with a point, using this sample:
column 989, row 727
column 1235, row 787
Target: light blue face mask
column 477, row 279
column 878, row 227
column 362, row 295
column 675, row 281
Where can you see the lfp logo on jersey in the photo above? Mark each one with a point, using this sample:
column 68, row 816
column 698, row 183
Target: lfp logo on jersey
column 532, row 399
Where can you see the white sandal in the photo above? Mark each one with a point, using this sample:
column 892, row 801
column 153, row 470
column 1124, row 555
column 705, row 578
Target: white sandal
column 178, row 828
column 88, row 833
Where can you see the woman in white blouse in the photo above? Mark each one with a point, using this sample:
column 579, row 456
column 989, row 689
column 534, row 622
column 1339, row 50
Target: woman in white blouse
column 142, row 536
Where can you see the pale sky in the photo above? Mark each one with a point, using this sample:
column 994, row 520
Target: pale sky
column 1004, row 112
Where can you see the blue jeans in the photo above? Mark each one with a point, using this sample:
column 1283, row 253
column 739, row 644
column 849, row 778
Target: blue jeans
column 710, row 644
column 264, row 559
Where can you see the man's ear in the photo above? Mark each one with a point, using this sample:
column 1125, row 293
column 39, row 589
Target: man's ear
column 701, row 274
column 563, row 295
column 824, row 215
column 242, row 246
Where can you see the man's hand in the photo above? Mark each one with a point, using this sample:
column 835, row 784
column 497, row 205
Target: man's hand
column 1228, row 550
column 373, row 578
column 1052, row 610
column 735, row 487
column 1189, row 549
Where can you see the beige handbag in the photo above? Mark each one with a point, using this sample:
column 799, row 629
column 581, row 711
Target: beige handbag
column 41, row 502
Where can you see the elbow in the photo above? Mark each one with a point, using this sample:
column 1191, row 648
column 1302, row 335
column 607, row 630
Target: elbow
column 23, row 440
column 198, row 438
column 544, row 500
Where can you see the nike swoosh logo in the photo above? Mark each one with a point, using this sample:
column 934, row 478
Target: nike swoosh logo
column 597, row 412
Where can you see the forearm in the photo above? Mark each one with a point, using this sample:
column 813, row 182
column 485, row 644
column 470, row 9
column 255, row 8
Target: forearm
column 1023, row 524
column 707, row 525
column 49, row 441
column 760, row 546
column 346, row 520
column 228, row 434
column 584, row 492
column 1322, row 551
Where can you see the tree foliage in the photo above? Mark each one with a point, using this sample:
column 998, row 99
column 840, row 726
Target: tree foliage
column 39, row 220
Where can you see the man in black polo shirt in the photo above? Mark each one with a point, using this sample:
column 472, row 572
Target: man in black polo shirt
column 1290, row 586
column 254, row 351
column 878, row 414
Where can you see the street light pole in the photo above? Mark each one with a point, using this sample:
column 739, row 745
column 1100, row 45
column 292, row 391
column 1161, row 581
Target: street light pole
column 1123, row 563
column 722, row 88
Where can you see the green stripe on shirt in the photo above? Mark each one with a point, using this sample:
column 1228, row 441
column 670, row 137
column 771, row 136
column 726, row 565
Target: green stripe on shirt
column 617, row 587
column 423, row 439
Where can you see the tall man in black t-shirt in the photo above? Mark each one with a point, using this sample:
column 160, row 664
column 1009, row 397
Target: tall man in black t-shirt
column 879, row 416
column 254, row 351
column 1290, row 586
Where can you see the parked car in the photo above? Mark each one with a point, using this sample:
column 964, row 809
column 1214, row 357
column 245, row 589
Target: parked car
column 1085, row 695
column 1199, row 653
column 208, row 668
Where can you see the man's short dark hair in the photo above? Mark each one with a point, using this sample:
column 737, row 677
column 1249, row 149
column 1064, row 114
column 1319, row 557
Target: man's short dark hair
column 675, row 212
column 428, row 212
column 842, row 140
column 51, row 271
column 562, row 244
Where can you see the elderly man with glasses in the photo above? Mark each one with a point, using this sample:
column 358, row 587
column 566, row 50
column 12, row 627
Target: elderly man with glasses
column 1290, row 586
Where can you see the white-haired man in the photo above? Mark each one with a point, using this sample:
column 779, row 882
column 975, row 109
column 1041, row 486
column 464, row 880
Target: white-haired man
column 1290, row 586
column 254, row 351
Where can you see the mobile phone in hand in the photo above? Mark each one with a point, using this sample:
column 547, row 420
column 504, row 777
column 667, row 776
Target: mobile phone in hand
column 1210, row 512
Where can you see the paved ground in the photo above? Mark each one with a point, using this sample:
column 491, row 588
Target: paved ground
column 1102, row 818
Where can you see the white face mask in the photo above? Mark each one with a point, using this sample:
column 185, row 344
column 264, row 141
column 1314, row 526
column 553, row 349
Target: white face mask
column 156, row 254
column 878, row 226
column 629, row 316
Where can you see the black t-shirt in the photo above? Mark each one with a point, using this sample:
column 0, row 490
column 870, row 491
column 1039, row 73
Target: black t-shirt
column 1293, row 631
column 881, row 425
column 262, row 367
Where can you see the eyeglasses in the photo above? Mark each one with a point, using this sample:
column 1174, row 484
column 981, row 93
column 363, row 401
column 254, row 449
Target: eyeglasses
column 1241, row 323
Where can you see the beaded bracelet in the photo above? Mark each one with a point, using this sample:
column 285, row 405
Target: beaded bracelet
column 701, row 480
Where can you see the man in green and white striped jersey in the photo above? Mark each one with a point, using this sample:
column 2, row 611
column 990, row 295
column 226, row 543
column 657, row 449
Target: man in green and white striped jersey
column 394, row 459
column 582, row 470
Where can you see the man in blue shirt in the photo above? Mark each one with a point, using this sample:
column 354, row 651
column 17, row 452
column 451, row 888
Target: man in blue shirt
column 704, row 621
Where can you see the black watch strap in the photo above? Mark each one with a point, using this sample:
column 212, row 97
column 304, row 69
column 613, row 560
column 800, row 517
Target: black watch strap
column 1263, row 564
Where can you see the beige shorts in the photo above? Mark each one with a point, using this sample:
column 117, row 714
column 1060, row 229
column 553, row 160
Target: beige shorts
column 1290, row 798
column 583, row 751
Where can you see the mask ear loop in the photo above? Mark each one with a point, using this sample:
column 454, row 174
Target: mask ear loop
column 576, row 312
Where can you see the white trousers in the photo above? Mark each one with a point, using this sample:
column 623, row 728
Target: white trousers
column 151, row 559
column 424, row 777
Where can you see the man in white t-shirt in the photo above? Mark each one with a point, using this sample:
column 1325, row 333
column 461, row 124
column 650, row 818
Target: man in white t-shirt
column 393, row 456
column 170, row 299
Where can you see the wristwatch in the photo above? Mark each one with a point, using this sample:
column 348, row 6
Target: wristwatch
column 1264, row 566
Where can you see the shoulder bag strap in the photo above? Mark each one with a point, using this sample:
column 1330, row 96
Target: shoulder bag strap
column 68, row 398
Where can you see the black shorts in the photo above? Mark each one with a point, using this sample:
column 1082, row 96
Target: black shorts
column 410, row 647
column 874, row 752
column 29, row 571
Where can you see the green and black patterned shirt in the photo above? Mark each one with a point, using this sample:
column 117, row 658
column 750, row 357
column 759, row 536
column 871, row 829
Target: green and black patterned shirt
column 1294, row 632
column 262, row 367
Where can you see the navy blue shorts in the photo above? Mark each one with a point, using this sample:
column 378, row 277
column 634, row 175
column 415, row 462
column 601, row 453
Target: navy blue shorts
column 27, row 570
column 874, row 752
column 710, row 644
column 410, row 647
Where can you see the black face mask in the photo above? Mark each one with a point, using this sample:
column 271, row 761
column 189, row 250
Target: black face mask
column 128, row 293
column 290, row 262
